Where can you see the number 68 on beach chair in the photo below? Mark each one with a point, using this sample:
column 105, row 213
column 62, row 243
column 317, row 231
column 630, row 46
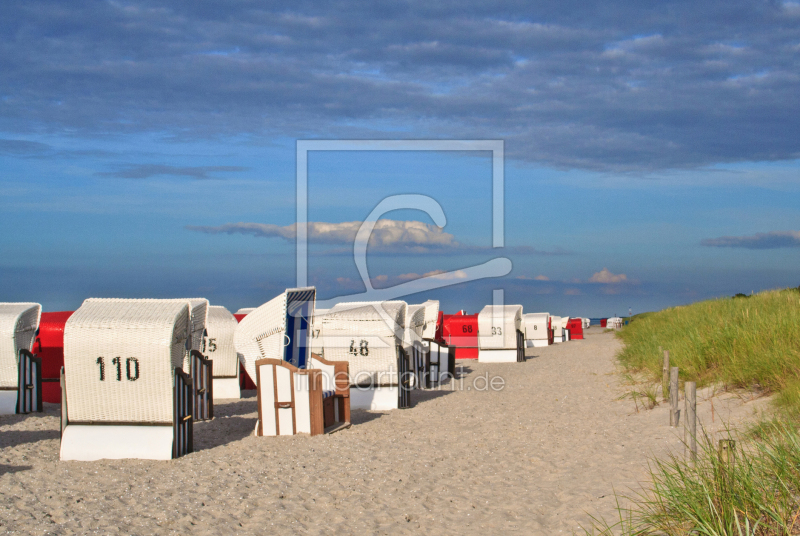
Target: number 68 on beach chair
column 124, row 393
column 20, row 371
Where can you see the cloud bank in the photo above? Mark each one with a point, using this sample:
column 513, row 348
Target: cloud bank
column 388, row 236
column 629, row 85
column 770, row 240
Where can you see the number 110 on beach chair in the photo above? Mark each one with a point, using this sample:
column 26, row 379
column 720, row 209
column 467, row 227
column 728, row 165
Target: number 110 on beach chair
column 124, row 391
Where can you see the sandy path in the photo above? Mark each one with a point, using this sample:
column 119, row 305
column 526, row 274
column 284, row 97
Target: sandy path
column 533, row 458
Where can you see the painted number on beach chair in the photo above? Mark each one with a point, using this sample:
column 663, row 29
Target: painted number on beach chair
column 466, row 329
column 497, row 331
column 131, row 368
column 210, row 345
column 363, row 347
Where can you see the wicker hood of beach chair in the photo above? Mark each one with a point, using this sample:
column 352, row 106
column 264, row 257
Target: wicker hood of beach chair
column 125, row 393
column 500, row 337
column 367, row 336
column 415, row 322
column 218, row 347
column 431, row 319
column 18, row 325
column 277, row 329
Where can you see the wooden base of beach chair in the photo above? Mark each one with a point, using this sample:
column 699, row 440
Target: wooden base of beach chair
column 116, row 442
column 538, row 343
column 143, row 441
column 382, row 398
column 8, row 401
column 497, row 356
column 226, row 388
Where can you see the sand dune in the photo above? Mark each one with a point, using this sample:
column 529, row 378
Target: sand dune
column 535, row 457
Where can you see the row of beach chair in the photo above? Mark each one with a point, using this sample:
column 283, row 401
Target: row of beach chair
column 136, row 374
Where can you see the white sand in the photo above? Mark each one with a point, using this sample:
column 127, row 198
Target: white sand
column 535, row 458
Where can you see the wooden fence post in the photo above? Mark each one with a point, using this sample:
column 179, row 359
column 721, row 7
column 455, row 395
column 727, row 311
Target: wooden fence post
column 674, row 412
column 690, row 419
column 665, row 376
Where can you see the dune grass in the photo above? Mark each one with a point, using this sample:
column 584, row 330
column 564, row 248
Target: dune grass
column 751, row 343
column 757, row 493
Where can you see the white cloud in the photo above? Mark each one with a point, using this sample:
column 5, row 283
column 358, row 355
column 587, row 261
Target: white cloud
column 387, row 233
column 604, row 276
column 435, row 274
column 537, row 278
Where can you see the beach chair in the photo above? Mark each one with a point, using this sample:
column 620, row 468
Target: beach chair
column 218, row 347
column 537, row 331
column 124, row 391
column 20, row 371
column 369, row 336
column 49, row 347
column 277, row 329
column 500, row 337
column 439, row 359
column 296, row 391
column 313, row 401
column 558, row 330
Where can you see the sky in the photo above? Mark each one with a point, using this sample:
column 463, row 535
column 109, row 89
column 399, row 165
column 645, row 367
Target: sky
column 651, row 149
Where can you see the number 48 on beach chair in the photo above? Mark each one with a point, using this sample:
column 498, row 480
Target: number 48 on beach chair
column 124, row 392
column 20, row 371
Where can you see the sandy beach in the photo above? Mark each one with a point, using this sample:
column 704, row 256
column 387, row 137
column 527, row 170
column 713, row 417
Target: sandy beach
column 536, row 457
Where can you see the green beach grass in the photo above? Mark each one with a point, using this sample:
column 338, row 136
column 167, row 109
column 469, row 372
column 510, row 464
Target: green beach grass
column 746, row 342
column 749, row 343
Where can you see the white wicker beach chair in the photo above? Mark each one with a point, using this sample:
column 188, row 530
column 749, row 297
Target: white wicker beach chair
column 311, row 401
column 369, row 336
column 20, row 371
column 614, row 323
column 439, row 360
column 558, row 330
column 124, row 392
column 500, row 337
column 245, row 310
column 565, row 328
column 536, row 330
column 218, row 347
column 277, row 329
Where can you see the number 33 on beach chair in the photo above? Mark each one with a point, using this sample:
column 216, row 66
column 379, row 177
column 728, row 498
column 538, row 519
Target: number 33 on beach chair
column 124, row 393
column 298, row 392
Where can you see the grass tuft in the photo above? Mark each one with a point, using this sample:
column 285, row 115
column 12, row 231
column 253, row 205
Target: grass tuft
column 758, row 493
column 750, row 344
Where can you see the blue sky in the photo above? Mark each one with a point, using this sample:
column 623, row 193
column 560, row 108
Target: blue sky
column 148, row 150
